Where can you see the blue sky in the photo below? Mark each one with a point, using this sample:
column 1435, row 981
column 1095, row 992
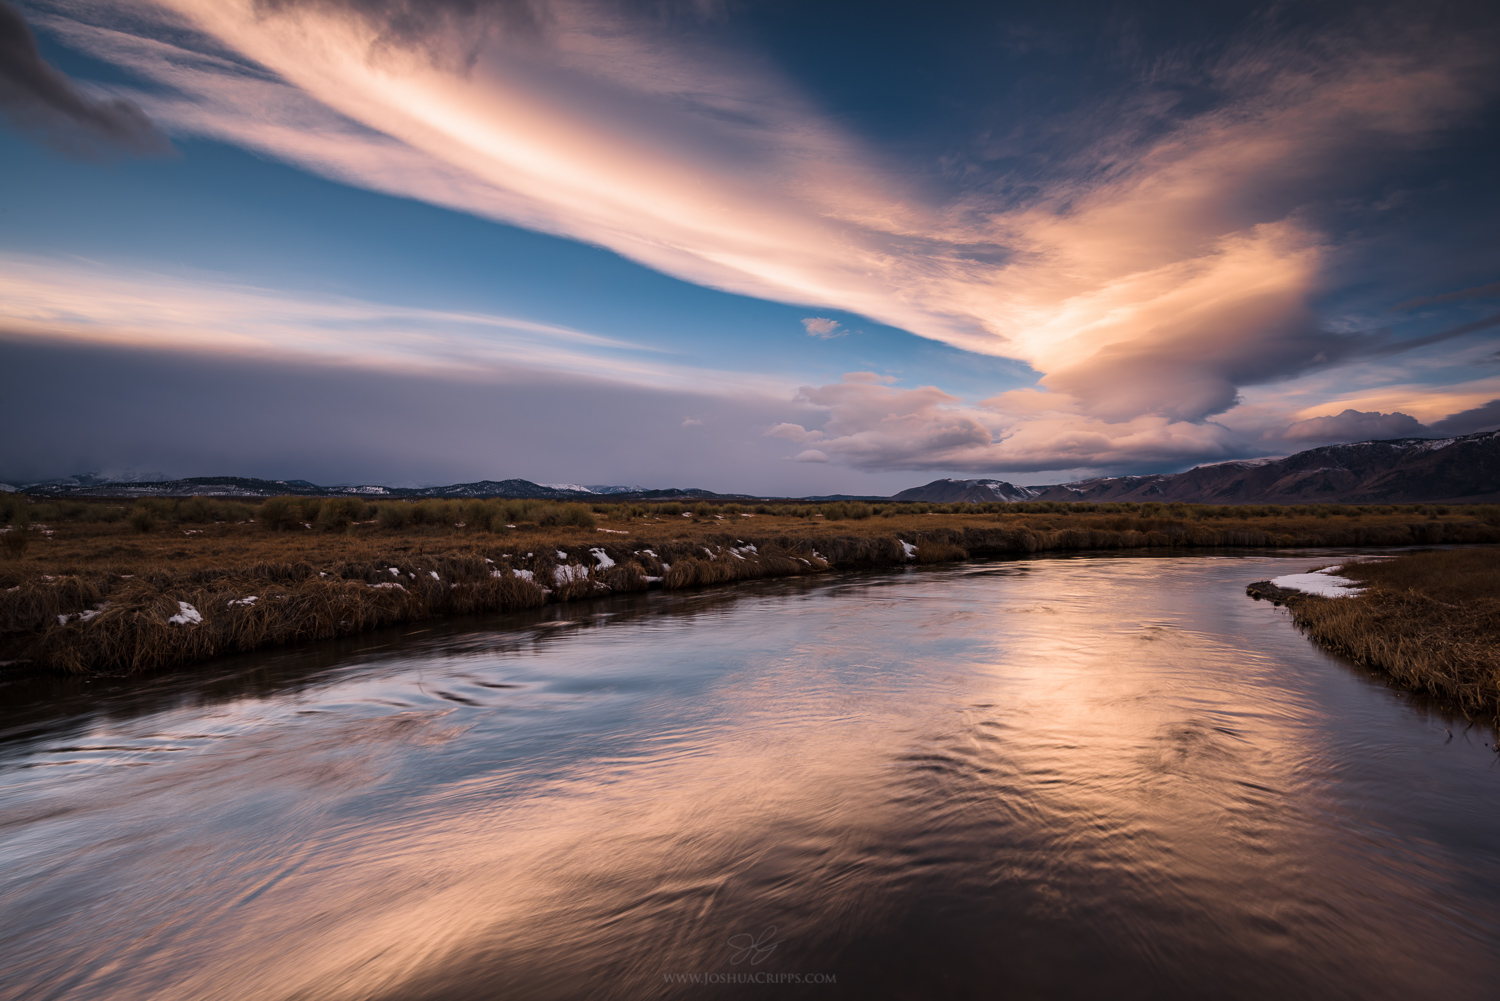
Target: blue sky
column 774, row 247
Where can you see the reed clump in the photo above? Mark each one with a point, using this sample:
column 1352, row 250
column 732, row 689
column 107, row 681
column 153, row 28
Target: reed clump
column 1430, row 620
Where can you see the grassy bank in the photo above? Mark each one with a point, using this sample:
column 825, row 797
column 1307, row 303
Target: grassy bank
column 1430, row 620
column 111, row 586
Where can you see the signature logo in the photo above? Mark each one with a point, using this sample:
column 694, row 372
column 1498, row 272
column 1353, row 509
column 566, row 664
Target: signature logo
column 754, row 948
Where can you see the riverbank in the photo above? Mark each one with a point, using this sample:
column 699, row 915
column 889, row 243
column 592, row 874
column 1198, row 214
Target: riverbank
column 1430, row 620
column 94, row 589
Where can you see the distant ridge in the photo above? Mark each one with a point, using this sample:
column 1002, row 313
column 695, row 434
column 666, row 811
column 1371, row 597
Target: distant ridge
column 1394, row 471
column 966, row 491
column 86, row 485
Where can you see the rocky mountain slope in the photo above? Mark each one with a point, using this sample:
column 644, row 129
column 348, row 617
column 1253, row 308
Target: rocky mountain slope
column 1397, row 471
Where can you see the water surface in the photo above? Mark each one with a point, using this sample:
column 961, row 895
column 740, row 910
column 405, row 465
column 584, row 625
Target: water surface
column 1051, row 777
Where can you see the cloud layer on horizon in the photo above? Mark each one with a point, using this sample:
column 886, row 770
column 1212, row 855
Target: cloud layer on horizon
column 1167, row 265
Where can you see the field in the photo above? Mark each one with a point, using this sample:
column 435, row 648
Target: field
column 120, row 587
column 1431, row 620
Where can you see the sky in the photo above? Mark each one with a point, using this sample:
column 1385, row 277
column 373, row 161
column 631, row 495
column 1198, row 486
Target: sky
column 763, row 247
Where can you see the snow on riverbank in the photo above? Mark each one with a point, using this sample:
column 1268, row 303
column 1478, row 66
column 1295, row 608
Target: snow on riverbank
column 1323, row 582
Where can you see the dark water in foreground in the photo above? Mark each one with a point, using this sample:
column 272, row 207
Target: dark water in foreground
column 1060, row 777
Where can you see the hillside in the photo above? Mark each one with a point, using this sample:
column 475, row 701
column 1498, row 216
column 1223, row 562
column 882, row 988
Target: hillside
column 1397, row 471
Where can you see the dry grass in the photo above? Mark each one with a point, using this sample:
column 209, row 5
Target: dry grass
column 1430, row 620
column 324, row 567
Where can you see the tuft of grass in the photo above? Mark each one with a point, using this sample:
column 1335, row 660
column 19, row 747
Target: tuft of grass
column 142, row 520
column 15, row 542
column 939, row 551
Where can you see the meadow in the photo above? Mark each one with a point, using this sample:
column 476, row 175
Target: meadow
column 101, row 586
column 1430, row 620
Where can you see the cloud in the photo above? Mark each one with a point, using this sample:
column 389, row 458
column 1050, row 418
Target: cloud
column 216, row 414
column 40, row 100
column 692, row 422
column 1168, row 262
column 810, row 455
column 1354, row 425
column 820, row 326
column 1481, row 418
column 874, row 426
column 81, row 301
column 1491, row 290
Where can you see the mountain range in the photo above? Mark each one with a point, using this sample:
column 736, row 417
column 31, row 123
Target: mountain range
column 1395, row 471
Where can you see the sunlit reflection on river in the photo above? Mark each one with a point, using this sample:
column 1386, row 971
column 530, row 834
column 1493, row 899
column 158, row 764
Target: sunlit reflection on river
column 1049, row 777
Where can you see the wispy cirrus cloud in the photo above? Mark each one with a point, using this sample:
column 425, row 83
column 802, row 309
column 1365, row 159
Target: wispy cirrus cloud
column 103, row 304
column 1150, row 278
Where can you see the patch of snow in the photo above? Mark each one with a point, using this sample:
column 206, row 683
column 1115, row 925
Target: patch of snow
column 246, row 602
column 524, row 574
column 687, row 514
column 666, row 566
column 561, row 555
column 186, row 615
column 612, row 531
column 911, row 550
column 746, row 514
column 389, row 584
column 394, row 572
column 653, row 580
column 1320, row 582
column 570, row 572
column 434, row 575
column 604, row 561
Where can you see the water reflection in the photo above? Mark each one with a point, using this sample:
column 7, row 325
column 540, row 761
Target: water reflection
column 1054, row 777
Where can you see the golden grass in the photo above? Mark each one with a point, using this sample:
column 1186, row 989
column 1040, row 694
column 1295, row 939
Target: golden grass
column 1430, row 620
column 92, row 593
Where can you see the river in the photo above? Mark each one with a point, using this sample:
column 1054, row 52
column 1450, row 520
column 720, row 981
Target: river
column 1068, row 776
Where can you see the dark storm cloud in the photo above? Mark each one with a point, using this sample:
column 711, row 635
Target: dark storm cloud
column 1355, row 425
column 1482, row 418
column 40, row 100
column 190, row 415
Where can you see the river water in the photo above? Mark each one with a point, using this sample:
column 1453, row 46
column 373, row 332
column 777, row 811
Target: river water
column 1053, row 777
